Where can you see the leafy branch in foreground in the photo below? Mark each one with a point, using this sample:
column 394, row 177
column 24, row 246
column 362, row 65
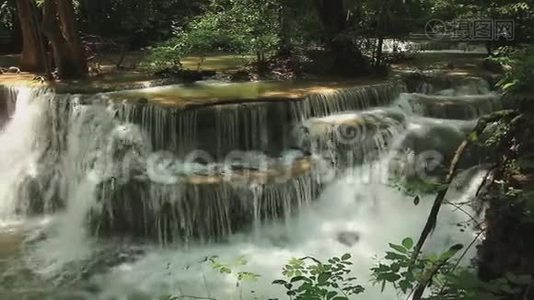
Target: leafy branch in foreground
column 439, row 276
column 310, row 279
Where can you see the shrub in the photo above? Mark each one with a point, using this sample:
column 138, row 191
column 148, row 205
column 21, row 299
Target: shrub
column 234, row 26
column 520, row 77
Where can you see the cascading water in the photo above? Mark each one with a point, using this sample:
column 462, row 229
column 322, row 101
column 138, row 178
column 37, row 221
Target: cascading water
column 23, row 143
column 119, row 170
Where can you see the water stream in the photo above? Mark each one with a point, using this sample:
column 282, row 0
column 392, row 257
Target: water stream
column 102, row 198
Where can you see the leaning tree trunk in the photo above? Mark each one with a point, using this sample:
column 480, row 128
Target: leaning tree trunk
column 59, row 26
column 31, row 56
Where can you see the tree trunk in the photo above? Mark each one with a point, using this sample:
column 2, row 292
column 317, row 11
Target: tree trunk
column 333, row 18
column 31, row 56
column 347, row 58
column 67, row 19
column 285, row 47
column 381, row 29
column 59, row 26
column 378, row 58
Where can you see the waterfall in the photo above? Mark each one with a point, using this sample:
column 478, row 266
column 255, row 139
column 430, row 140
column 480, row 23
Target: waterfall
column 272, row 178
column 116, row 169
column 177, row 174
column 356, row 204
column 350, row 138
column 356, row 98
column 24, row 143
column 221, row 128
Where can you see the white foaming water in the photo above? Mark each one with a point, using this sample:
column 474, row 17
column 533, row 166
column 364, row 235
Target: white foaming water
column 360, row 203
column 20, row 148
column 93, row 138
column 376, row 213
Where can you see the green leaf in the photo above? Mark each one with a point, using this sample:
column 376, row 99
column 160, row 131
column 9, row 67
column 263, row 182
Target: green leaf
column 405, row 285
column 346, row 256
column 451, row 252
column 391, row 277
column 323, row 278
column 279, row 281
column 394, row 256
column 299, row 278
column 398, row 248
column 407, row 243
column 331, row 295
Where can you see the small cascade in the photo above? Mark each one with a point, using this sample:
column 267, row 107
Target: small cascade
column 217, row 129
column 357, row 98
column 351, row 138
column 450, row 97
column 464, row 107
column 8, row 98
column 443, row 84
column 206, row 206
column 242, row 125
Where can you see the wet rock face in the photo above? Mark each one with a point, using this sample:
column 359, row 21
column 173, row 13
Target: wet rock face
column 157, row 196
column 442, row 137
column 245, row 124
column 454, row 107
column 7, row 105
column 439, row 83
column 350, row 138
column 215, row 130
column 180, row 212
column 4, row 115
column 348, row 238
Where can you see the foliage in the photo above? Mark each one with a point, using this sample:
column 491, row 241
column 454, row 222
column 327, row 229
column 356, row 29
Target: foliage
column 464, row 284
column 7, row 14
column 137, row 22
column 165, row 55
column 402, row 273
column 233, row 268
column 311, row 279
column 520, row 77
column 235, row 26
column 494, row 134
column 441, row 274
